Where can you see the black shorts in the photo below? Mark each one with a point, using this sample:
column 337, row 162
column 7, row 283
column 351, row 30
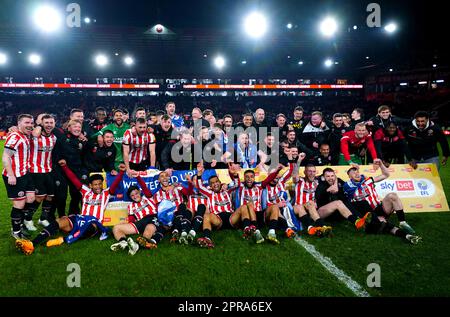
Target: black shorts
column 376, row 226
column 139, row 167
column 141, row 224
column 261, row 218
column 226, row 220
column 379, row 210
column 24, row 185
column 44, row 184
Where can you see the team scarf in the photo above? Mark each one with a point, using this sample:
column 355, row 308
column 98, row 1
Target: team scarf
column 350, row 187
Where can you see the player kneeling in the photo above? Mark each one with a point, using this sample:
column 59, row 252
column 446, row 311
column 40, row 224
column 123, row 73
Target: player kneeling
column 86, row 225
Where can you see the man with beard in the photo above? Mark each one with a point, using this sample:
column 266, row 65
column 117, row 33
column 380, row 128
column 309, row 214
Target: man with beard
column 42, row 143
column 305, row 206
column 221, row 215
column 118, row 127
column 330, row 197
column 354, row 145
column 249, row 195
column 138, row 145
column 102, row 158
column 177, row 121
column 423, row 136
column 297, row 123
column 337, row 130
column 17, row 179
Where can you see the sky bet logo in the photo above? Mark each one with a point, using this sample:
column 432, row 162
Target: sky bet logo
column 397, row 185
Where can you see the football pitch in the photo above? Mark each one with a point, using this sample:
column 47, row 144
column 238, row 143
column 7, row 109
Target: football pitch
column 336, row 266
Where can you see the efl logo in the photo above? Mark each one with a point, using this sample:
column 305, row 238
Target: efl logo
column 405, row 185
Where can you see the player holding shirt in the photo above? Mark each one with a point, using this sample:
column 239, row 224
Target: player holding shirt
column 18, row 182
column 94, row 201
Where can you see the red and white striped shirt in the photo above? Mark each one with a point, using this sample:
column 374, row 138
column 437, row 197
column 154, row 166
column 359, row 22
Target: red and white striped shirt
column 94, row 204
column 138, row 145
column 217, row 202
column 143, row 208
column 41, row 153
column 175, row 195
column 305, row 191
column 274, row 194
column 196, row 200
column 20, row 144
column 367, row 193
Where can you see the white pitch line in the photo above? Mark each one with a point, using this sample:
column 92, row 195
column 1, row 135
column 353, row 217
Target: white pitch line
column 333, row 269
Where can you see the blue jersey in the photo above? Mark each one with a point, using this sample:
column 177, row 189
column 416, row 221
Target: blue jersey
column 79, row 226
column 177, row 121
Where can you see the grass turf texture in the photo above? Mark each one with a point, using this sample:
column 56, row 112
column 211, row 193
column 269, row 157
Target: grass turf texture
column 235, row 267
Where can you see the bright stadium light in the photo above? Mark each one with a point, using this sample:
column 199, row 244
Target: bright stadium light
column 255, row 25
column 47, row 19
column 390, row 28
column 87, row 20
column 243, row 62
column 328, row 27
column 355, row 27
column 128, row 60
column 289, row 26
column 3, row 59
column 328, row 63
column 34, row 59
column 101, row 60
column 300, row 62
column 219, row 62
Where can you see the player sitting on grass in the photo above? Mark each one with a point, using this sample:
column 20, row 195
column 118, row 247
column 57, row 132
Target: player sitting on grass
column 142, row 219
column 175, row 194
column 193, row 220
column 86, row 225
column 361, row 191
column 221, row 215
column 330, row 197
column 275, row 196
column 249, row 196
column 305, row 203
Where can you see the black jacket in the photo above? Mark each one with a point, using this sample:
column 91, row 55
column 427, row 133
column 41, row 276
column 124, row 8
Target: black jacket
column 98, row 159
column 423, row 143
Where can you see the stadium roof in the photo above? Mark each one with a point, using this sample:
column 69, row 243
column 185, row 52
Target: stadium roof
column 198, row 28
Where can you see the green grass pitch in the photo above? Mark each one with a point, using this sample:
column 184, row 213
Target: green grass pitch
column 236, row 267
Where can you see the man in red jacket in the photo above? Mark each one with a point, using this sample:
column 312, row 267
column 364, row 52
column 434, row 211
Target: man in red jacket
column 355, row 143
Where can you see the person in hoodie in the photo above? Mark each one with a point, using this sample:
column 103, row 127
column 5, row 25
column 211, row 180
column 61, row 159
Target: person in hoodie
column 423, row 136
